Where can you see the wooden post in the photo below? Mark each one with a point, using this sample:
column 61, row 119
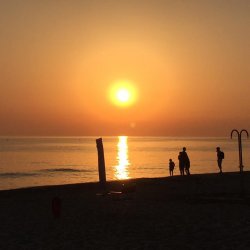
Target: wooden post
column 101, row 162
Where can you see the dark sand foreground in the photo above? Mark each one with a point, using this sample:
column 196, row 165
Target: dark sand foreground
column 209, row 211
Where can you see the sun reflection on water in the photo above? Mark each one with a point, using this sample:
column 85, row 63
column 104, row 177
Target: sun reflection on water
column 121, row 170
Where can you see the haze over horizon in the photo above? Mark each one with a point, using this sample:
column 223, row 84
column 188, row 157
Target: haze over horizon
column 187, row 65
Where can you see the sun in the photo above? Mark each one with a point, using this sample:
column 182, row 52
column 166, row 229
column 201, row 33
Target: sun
column 123, row 93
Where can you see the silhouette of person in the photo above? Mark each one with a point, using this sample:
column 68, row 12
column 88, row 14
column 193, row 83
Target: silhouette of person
column 171, row 167
column 181, row 163
column 220, row 157
column 186, row 161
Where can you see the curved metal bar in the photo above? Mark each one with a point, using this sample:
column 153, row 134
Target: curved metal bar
column 235, row 130
column 244, row 130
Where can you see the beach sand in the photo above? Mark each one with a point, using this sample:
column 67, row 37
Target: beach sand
column 209, row 211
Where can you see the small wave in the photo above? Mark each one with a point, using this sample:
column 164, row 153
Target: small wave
column 40, row 163
column 66, row 165
column 17, row 174
column 65, row 170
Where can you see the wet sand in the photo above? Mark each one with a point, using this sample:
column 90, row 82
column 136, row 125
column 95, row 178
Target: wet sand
column 209, row 211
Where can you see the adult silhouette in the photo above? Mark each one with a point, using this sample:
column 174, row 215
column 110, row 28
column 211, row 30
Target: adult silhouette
column 181, row 163
column 186, row 161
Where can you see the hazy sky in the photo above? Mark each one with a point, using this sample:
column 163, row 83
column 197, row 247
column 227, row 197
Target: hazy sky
column 188, row 60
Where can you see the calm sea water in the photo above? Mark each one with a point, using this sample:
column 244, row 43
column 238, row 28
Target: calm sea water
column 26, row 162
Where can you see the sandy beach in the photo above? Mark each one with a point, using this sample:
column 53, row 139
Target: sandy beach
column 209, row 211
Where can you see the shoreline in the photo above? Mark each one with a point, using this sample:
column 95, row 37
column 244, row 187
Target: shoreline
column 117, row 183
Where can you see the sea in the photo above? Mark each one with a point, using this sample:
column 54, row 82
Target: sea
column 42, row 161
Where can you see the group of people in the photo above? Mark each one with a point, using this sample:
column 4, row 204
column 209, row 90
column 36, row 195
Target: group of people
column 184, row 162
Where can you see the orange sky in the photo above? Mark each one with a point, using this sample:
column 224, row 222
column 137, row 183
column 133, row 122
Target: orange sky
column 189, row 61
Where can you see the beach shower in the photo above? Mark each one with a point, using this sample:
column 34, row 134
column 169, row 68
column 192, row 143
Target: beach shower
column 239, row 134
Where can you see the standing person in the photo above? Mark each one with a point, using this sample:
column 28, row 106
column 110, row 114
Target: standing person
column 186, row 161
column 171, row 167
column 181, row 163
column 220, row 157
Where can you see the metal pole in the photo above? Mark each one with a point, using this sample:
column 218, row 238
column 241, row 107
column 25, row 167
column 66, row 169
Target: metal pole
column 243, row 130
column 240, row 151
column 238, row 134
column 242, row 179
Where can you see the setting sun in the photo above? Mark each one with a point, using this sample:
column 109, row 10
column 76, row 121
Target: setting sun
column 123, row 93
